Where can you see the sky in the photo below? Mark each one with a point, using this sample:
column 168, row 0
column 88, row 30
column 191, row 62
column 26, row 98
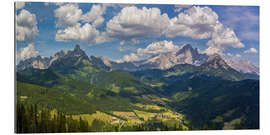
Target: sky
column 131, row 32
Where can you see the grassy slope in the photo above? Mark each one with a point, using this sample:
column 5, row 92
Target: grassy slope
column 53, row 99
column 210, row 99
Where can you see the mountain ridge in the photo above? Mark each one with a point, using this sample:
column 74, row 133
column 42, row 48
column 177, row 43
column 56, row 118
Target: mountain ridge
column 185, row 55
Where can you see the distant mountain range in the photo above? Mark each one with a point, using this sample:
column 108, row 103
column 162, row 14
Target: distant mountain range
column 244, row 66
column 207, row 90
column 185, row 55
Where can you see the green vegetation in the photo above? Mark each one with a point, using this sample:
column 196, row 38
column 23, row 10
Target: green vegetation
column 52, row 98
column 77, row 95
column 218, row 102
column 35, row 119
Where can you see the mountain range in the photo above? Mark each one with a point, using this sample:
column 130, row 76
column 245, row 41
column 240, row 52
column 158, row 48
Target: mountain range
column 185, row 55
column 192, row 91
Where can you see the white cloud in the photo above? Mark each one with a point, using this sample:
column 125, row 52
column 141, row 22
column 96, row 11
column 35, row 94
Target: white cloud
column 251, row 50
column 26, row 26
column 202, row 23
column 19, row 5
column 178, row 8
column 221, row 39
column 152, row 49
column 133, row 23
column 27, row 52
column 229, row 54
column 196, row 22
column 98, row 22
column 67, row 15
column 70, row 18
column 94, row 15
column 238, row 55
column 157, row 47
column 128, row 58
column 86, row 33
column 122, row 43
column 60, row 3
column 213, row 49
column 70, row 14
column 46, row 3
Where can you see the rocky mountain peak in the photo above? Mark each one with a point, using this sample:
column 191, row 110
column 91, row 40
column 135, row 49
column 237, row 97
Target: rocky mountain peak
column 33, row 62
column 185, row 55
column 69, row 57
column 216, row 61
column 187, row 48
column 78, row 51
column 77, row 48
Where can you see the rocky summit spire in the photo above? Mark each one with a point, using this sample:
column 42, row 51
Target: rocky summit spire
column 77, row 47
column 187, row 48
column 78, row 51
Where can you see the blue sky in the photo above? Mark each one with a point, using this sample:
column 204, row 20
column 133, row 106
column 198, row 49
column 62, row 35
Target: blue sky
column 117, row 31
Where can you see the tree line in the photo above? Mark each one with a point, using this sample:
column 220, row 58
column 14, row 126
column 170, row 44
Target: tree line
column 33, row 119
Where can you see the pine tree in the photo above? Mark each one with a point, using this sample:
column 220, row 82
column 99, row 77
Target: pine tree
column 205, row 127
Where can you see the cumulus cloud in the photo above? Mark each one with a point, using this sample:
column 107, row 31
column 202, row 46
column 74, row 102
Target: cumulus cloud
column 67, row 15
column 251, row 50
column 221, row 39
column 157, row 47
column 238, row 55
column 196, row 22
column 122, row 43
column 27, row 52
column 26, row 26
column 86, row 33
column 152, row 49
column 134, row 23
column 74, row 25
column 98, row 22
column 178, row 8
column 19, row 5
column 95, row 15
column 202, row 23
column 229, row 54
column 128, row 58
